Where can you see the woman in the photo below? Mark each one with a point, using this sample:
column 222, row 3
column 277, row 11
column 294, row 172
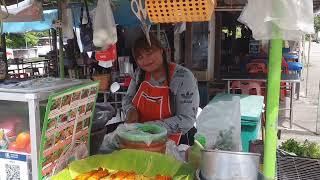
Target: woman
column 162, row 93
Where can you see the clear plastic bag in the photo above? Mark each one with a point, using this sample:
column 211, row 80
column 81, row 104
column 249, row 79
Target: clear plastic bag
column 294, row 18
column 220, row 124
column 67, row 23
column 104, row 26
column 173, row 150
column 103, row 113
column 110, row 143
column 146, row 133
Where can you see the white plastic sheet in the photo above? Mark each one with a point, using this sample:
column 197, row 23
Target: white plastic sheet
column 67, row 23
column 294, row 18
column 220, row 124
column 16, row 8
column 104, row 26
column 25, row 11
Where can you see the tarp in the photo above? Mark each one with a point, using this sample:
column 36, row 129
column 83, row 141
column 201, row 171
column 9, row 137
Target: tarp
column 20, row 27
column 121, row 9
column 122, row 13
column 294, row 18
column 145, row 163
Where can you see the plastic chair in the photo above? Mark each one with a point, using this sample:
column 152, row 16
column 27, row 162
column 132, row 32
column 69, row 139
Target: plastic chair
column 285, row 70
column 257, row 68
column 258, row 61
column 19, row 76
column 247, row 87
column 291, row 57
column 295, row 67
column 284, row 66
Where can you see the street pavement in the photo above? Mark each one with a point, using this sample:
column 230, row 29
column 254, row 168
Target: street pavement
column 305, row 109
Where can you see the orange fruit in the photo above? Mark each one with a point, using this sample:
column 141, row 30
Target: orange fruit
column 13, row 146
column 22, row 140
column 28, row 148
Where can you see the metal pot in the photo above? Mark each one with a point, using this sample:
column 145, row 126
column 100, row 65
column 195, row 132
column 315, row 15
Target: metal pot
column 226, row 165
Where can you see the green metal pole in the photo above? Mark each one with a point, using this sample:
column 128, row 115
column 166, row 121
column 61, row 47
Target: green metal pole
column 61, row 60
column 273, row 93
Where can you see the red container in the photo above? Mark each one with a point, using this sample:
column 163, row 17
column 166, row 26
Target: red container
column 159, row 146
column 127, row 81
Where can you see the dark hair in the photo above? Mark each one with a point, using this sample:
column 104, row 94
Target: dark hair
column 142, row 44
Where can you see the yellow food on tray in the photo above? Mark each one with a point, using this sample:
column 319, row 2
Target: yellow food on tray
column 104, row 174
column 92, row 175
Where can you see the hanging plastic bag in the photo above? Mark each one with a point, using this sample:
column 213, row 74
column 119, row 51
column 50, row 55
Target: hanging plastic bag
column 86, row 31
column 107, row 55
column 173, row 150
column 67, row 23
column 220, row 124
column 293, row 18
column 104, row 26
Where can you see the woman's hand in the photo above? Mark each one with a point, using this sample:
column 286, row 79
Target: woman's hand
column 132, row 116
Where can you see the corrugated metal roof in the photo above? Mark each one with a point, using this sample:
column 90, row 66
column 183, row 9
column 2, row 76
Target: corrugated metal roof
column 48, row 4
column 239, row 4
column 316, row 5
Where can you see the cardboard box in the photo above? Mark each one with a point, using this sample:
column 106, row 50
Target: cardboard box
column 201, row 75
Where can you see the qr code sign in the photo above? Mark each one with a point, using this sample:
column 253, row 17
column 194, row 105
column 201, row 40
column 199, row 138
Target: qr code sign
column 14, row 166
column 12, row 172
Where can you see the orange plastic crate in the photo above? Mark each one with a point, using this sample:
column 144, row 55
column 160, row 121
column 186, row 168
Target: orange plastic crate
column 171, row 11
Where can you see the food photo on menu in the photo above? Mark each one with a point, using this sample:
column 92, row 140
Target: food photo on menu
column 66, row 100
column 90, row 107
column 76, row 96
column 56, row 104
column 85, row 93
column 93, row 91
column 82, row 109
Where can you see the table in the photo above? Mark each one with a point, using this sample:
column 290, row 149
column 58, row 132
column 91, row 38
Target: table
column 287, row 78
column 32, row 63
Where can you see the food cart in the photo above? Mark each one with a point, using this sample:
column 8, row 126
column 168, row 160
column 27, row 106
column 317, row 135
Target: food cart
column 22, row 109
column 32, row 100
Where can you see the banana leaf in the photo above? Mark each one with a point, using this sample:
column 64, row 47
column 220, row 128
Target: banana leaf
column 145, row 163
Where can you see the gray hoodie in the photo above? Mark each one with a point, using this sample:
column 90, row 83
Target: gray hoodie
column 185, row 99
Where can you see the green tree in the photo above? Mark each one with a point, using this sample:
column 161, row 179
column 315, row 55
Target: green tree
column 21, row 40
column 317, row 23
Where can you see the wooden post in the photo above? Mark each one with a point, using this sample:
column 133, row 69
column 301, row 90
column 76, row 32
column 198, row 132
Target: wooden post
column 61, row 60
column 188, row 46
column 218, row 35
column 211, row 47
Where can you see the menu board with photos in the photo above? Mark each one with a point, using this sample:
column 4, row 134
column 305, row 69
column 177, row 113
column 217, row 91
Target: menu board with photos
column 66, row 128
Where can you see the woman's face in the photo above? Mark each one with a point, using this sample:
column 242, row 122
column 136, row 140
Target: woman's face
column 150, row 60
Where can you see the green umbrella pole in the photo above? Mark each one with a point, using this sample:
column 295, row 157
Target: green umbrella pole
column 273, row 93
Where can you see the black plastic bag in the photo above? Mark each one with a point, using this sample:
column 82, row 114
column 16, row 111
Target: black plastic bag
column 86, row 31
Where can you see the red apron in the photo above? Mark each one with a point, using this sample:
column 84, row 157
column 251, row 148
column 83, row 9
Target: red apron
column 153, row 102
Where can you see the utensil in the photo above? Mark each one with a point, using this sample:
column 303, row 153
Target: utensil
column 142, row 15
column 114, row 87
column 216, row 165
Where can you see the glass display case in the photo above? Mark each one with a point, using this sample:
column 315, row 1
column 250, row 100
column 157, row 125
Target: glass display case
column 22, row 107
